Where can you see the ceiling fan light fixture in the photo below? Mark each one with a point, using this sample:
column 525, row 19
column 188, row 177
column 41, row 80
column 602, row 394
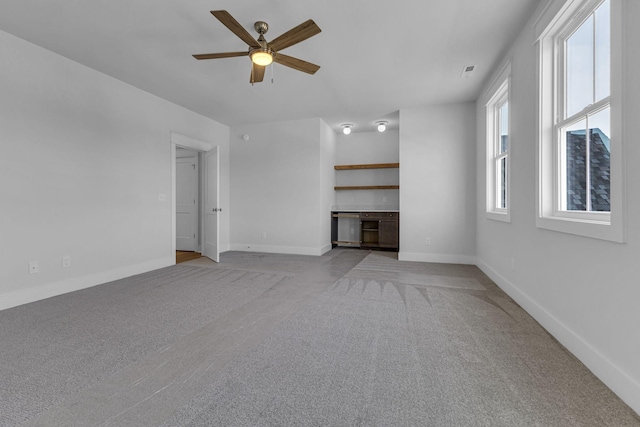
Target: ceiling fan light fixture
column 262, row 57
column 260, row 52
column 346, row 128
column 382, row 125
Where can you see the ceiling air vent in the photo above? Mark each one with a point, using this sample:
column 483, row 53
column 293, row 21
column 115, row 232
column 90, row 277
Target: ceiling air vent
column 467, row 71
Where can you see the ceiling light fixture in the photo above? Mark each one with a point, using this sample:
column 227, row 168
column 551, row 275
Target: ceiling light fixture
column 263, row 56
column 346, row 128
column 382, row 125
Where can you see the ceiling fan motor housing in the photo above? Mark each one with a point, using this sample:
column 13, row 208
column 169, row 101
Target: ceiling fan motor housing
column 261, row 27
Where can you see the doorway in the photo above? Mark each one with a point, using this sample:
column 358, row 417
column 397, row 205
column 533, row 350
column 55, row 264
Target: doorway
column 208, row 178
column 187, row 200
column 186, row 256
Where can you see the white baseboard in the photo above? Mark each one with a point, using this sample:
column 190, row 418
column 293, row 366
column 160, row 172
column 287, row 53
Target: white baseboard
column 25, row 296
column 440, row 258
column 608, row 372
column 326, row 248
column 272, row 249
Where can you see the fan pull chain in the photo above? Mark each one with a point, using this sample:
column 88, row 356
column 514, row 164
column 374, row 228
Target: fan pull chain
column 272, row 73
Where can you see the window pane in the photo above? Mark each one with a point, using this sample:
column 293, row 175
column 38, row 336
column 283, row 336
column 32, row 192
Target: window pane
column 599, row 163
column 579, row 83
column 603, row 48
column 504, row 127
column 503, row 183
column 575, row 142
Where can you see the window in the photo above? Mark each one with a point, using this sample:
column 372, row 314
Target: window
column 498, row 147
column 583, row 128
column 580, row 170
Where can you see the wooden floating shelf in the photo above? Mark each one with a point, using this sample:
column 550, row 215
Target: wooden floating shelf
column 369, row 166
column 368, row 187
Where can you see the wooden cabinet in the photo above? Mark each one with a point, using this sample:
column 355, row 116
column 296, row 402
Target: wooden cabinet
column 379, row 230
column 389, row 233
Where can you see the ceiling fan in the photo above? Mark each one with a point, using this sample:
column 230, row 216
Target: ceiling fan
column 263, row 53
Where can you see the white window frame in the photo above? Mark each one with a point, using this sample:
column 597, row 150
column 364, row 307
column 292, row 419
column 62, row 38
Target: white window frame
column 600, row 225
column 499, row 91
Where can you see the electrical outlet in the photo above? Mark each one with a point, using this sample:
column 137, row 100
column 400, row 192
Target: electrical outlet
column 66, row 261
column 384, row 199
column 264, row 235
column 427, row 241
column 162, row 197
column 33, row 267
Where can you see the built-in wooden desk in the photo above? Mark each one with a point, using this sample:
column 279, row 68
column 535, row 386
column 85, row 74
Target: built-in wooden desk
column 378, row 229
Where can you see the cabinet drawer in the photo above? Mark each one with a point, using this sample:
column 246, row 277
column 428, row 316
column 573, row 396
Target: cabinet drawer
column 379, row 215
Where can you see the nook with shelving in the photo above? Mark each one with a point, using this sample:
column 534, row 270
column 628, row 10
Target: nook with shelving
column 366, row 189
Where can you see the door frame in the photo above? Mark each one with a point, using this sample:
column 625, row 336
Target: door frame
column 179, row 140
column 211, row 207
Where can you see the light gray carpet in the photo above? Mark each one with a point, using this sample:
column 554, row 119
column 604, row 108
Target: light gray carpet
column 348, row 339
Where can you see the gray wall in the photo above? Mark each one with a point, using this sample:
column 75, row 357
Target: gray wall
column 584, row 291
column 84, row 160
column 279, row 188
column 437, row 183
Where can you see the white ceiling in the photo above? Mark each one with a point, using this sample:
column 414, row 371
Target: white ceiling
column 376, row 56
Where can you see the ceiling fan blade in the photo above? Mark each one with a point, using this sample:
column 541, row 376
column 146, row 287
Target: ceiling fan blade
column 220, row 55
column 296, row 64
column 235, row 27
column 257, row 73
column 295, row 35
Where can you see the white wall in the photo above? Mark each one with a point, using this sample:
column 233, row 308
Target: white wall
column 327, row 182
column 437, row 183
column 84, row 158
column 277, row 187
column 586, row 292
column 364, row 148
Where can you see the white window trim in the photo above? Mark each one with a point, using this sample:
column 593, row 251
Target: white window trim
column 499, row 91
column 606, row 226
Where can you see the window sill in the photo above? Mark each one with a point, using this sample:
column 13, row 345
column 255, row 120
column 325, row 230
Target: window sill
column 583, row 227
column 499, row 216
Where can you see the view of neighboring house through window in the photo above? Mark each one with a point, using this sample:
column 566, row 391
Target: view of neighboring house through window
column 584, row 124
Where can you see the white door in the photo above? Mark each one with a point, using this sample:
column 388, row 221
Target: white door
column 210, row 248
column 186, row 203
